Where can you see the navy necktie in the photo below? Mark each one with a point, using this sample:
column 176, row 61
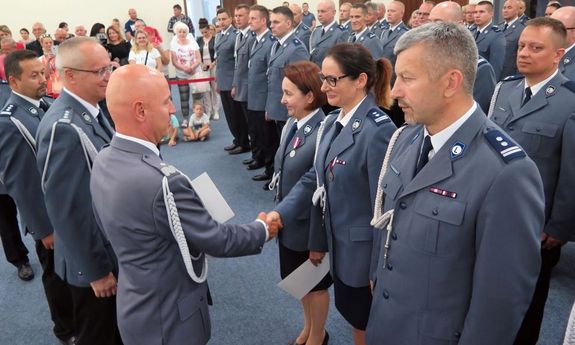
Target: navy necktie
column 528, row 95
column 290, row 135
column 338, row 127
column 424, row 156
column 505, row 27
column 104, row 124
column 43, row 105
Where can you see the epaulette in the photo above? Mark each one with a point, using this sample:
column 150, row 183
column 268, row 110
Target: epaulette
column 168, row 170
column 371, row 35
column 481, row 61
column 570, row 85
column 514, row 77
column 495, row 28
column 507, row 149
column 378, row 116
column 305, row 27
column 8, row 109
column 66, row 116
column 341, row 27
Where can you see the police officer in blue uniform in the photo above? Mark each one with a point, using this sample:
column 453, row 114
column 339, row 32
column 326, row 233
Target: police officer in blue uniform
column 68, row 138
column 286, row 49
column 566, row 15
column 396, row 29
column 489, row 38
column 511, row 27
column 459, row 208
column 347, row 163
column 302, row 31
column 361, row 34
column 327, row 34
column 537, row 111
column 18, row 124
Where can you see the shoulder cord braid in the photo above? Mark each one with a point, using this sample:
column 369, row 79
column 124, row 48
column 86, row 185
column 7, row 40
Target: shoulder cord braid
column 276, row 176
column 178, row 232
column 570, row 332
column 88, row 147
column 25, row 133
column 385, row 221
column 319, row 194
column 494, row 99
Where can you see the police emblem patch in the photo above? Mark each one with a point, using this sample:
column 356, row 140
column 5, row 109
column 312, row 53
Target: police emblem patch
column 550, row 90
column 457, row 150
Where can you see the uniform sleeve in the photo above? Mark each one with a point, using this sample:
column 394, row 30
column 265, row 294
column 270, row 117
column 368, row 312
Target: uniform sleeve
column 561, row 224
column 484, row 86
column 299, row 54
column 507, row 262
column 69, row 202
column 22, row 180
column 203, row 233
column 299, row 197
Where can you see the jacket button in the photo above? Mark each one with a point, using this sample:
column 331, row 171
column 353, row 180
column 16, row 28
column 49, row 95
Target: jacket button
column 389, row 267
column 402, row 205
column 385, row 294
column 510, row 127
column 80, row 273
column 385, row 185
column 394, row 236
column 457, row 335
column 435, row 212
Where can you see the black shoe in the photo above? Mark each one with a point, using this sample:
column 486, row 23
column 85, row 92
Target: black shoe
column 69, row 341
column 262, row 177
column 248, row 161
column 230, row 147
column 266, row 187
column 238, row 150
column 255, row 166
column 25, row 272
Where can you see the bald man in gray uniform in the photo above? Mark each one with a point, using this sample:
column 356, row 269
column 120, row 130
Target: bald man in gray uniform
column 162, row 293
column 566, row 15
column 456, row 260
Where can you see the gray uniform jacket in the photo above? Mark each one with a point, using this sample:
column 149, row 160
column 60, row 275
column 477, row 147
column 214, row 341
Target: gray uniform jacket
column 18, row 165
column 303, row 32
column 369, row 40
column 511, row 43
column 291, row 51
column 484, row 84
column 158, row 302
column 566, row 66
column 464, row 255
column 224, row 47
column 349, row 169
column 4, row 94
column 491, row 45
column 82, row 254
column 320, row 43
column 545, row 128
column 293, row 162
column 240, row 81
column 389, row 39
column 257, row 72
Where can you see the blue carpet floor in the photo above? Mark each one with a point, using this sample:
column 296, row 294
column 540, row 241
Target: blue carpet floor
column 249, row 308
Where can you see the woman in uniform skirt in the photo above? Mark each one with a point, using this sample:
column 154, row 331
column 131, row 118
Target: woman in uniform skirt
column 303, row 99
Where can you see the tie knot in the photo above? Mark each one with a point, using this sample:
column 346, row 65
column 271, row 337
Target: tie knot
column 43, row 105
column 424, row 156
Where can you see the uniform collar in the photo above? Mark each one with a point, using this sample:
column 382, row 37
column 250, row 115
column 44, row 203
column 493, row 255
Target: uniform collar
column 259, row 37
column 393, row 27
column 285, row 38
column 346, row 117
column 94, row 111
column 535, row 88
column 328, row 26
column 306, row 118
column 358, row 35
column 511, row 22
column 440, row 138
column 150, row 146
column 34, row 102
column 569, row 48
column 488, row 25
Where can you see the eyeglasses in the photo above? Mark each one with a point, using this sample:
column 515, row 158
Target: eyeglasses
column 45, row 36
column 331, row 81
column 100, row 72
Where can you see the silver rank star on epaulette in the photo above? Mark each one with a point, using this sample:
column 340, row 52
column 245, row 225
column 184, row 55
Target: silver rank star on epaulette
column 8, row 109
column 168, row 170
column 506, row 148
column 378, row 116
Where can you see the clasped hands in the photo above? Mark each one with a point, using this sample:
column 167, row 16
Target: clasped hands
column 273, row 222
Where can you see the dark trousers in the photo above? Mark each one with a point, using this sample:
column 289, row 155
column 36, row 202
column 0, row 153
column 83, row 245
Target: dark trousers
column 272, row 134
column 57, row 294
column 95, row 318
column 257, row 122
column 243, row 125
column 228, row 105
column 235, row 118
column 14, row 249
column 529, row 332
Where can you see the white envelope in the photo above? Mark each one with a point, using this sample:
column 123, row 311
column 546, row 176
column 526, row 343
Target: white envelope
column 213, row 200
column 300, row 282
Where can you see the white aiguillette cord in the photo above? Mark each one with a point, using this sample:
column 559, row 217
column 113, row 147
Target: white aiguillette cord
column 178, row 232
column 384, row 221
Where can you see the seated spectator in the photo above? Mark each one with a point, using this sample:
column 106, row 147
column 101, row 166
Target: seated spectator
column 25, row 36
column 143, row 53
column 199, row 128
column 48, row 59
column 64, row 25
column 172, row 136
column 80, row 30
column 60, row 35
column 117, row 46
column 38, row 30
column 116, row 24
column 5, row 32
column 7, row 45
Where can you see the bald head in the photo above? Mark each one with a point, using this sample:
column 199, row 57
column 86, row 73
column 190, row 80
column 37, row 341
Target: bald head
column 139, row 101
column 566, row 15
column 447, row 11
column 297, row 13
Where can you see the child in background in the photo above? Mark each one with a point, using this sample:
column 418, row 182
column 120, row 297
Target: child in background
column 199, row 127
column 172, row 136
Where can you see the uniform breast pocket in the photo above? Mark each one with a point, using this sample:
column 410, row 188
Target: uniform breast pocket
column 436, row 225
column 535, row 134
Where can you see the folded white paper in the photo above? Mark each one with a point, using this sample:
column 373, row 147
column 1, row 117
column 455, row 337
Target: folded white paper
column 213, row 200
column 300, row 282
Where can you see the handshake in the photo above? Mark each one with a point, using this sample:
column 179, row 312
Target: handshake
column 273, row 221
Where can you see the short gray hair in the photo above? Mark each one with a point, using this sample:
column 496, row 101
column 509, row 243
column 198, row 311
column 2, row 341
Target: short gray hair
column 69, row 53
column 448, row 45
column 179, row 25
column 372, row 5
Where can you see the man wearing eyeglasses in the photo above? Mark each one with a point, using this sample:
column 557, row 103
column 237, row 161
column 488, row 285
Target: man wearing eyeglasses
column 424, row 11
column 38, row 30
column 69, row 136
column 566, row 15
